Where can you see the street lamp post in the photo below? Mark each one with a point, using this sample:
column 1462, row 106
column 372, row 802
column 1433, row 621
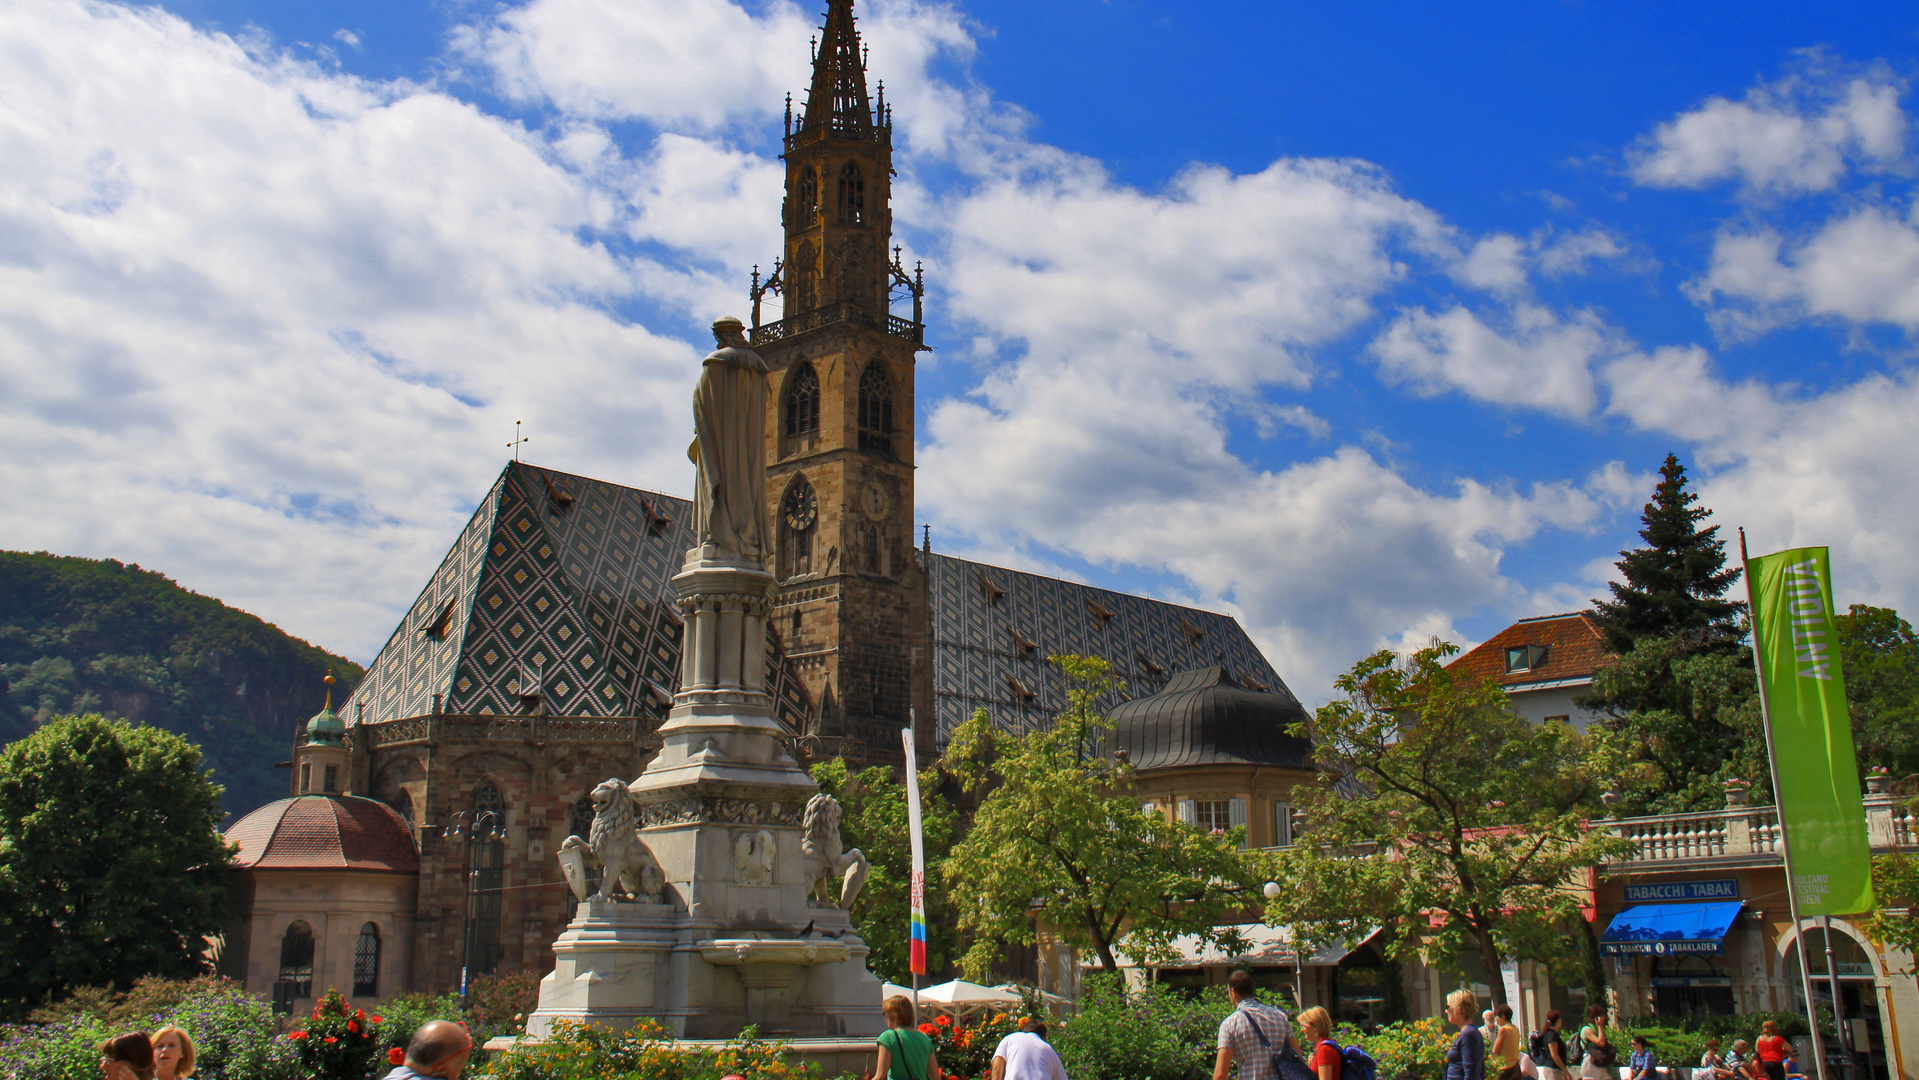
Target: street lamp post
column 474, row 828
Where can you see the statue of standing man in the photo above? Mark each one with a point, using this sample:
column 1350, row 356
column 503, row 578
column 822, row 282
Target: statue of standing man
column 729, row 449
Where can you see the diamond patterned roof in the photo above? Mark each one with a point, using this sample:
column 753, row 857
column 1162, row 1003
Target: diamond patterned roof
column 556, row 578
column 993, row 630
column 571, row 578
column 325, row 832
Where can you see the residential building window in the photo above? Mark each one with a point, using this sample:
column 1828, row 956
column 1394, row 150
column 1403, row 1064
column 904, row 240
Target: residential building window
column 1525, row 657
column 296, row 959
column 1282, row 824
column 366, row 962
column 1214, row 815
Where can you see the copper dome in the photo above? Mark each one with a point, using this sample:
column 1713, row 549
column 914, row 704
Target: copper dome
column 325, row 832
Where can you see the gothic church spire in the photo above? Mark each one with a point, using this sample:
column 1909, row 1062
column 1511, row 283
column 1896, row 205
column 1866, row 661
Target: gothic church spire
column 837, row 100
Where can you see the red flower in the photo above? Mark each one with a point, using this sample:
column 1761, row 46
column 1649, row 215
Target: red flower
column 928, row 1029
column 396, row 1056
column 943, row 1021
column 377, row 1020
column 352, row 1027
column 359, row 1014
column 316, row 1012
column 296, row 1034
column 331, row 1039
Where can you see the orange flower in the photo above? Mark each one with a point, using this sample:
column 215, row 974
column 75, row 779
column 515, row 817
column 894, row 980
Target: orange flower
column 943, row 1021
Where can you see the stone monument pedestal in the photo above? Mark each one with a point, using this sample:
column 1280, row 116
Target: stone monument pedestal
column 731, row 820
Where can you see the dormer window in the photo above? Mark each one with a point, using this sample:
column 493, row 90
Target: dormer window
column 1525, row 658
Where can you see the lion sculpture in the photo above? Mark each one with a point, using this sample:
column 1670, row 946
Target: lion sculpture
column 823, row 857
column 615, row 844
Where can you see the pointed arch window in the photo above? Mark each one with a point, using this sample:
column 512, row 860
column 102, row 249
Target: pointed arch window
column 486, row 861
column 296, row 959
column 403, row 805
column 799, row 522
column 802, row 401
column 806, row 201
column 366, row 962
column 852, row 195
column 876, row 409
column 803, row 279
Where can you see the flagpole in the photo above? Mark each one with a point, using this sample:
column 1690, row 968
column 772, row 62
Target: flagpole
column 1785, row 842
column 916, row 891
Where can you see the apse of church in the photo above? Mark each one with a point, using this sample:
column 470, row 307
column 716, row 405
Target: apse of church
column 851, row 614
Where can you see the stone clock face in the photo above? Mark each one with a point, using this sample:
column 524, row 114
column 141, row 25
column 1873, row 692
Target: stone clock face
column 875, row 502
column 801, row 509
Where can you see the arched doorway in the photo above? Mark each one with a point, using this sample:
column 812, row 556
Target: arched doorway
column 1859, row 991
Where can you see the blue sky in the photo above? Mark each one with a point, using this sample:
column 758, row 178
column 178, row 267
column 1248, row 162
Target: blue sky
column 1362, row 323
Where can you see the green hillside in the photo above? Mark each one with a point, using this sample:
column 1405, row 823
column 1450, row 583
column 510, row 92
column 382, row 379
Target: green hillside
column 95, row 635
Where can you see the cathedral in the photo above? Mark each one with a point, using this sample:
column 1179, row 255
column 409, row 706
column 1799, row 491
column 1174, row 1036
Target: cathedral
column 418, row 841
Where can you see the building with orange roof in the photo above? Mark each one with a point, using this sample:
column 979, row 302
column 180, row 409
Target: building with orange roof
column 1544, row 663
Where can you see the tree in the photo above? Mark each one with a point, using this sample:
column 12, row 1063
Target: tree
column 111, row 861
column 1681, row 691
column 1879, row 654
column 1059, row 836
column 1443, row 816
column 1675, row 585
column 873, row 819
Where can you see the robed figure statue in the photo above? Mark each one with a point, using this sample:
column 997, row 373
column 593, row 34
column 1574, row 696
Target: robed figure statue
column 729, row 449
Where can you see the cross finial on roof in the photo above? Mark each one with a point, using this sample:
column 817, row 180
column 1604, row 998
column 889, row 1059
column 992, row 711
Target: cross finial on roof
column 517, row 440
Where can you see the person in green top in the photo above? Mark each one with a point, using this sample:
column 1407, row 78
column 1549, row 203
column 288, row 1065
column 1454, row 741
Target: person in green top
column 906, row 1053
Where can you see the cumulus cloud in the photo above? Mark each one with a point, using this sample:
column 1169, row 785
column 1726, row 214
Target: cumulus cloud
column 1538, row 359
column 1795, row 135
column 1859, row 267
column 269, row 326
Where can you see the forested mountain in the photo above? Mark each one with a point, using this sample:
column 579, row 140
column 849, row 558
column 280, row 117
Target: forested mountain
column 95, row 635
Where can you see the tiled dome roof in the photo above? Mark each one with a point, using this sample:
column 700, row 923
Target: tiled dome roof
column 1205, row 718
column 325, row 832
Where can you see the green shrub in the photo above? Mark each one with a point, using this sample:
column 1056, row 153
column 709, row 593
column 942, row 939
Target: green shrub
column 643, row 1052
column 1415, row 1049
column 233, row 1032
column 1152, row 1034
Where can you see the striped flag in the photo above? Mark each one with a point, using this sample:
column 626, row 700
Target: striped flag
column 916, row 954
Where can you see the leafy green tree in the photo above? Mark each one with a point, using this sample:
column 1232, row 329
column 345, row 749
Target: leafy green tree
column 1060, row 836
column 1879, row 654
column 1895, row 881
column 1675, row 586
column 873, row 819
column 1445, row 817
column 111, row 861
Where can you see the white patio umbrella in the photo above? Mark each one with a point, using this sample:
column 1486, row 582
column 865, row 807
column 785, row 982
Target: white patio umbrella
column 963, row 999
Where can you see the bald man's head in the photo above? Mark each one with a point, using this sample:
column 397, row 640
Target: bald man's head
column 439, row 1048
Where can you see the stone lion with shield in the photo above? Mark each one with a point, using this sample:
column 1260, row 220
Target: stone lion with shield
column 614, row 844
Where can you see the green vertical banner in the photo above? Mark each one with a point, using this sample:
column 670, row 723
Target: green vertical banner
column 1813, row 764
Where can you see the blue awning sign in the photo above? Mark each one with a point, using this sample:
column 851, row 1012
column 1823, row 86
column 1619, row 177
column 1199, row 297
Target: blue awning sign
column 1665, row 929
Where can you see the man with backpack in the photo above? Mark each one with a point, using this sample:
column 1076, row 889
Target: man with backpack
column 1254, row 1036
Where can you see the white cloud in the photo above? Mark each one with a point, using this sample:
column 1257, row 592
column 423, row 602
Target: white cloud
column 267, row 326
column 1860, row 267
column 1796, row 135
column 1538, row 360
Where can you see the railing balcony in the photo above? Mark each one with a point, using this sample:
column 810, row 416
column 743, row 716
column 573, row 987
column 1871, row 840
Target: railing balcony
column 1749, row 833
column 843, row 311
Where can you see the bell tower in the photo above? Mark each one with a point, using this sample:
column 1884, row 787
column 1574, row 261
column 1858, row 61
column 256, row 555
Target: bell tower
column 851, row 610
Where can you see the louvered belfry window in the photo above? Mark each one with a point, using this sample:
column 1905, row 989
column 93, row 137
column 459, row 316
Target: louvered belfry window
column 802, row 401
column 876, row 409
column 852, row 195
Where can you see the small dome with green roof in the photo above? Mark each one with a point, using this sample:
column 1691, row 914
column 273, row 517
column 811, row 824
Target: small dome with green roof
column 326, row 728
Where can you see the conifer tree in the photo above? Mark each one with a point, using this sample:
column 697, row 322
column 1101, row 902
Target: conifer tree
column 1675, row 586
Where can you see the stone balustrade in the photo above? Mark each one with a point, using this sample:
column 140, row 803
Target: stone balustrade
column 1749, row 834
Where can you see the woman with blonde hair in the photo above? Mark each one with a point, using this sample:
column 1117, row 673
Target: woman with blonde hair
column 906, row 1052
column 172, row 1054
column 1316, row 1031
column 127, row 1057
column 1466, row 1059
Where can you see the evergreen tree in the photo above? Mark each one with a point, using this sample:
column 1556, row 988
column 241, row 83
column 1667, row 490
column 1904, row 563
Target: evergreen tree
column 1675, row 586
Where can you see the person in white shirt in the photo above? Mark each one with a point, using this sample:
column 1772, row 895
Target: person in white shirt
column 1026, row 1055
